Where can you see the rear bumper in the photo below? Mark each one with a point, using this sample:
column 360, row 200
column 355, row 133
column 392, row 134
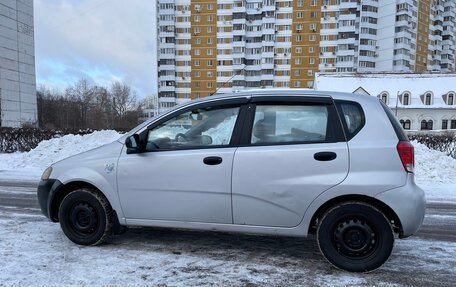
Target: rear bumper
column 409, row 204
column 46, row 191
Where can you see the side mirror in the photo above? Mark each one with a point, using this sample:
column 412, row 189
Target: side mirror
column 132, row 144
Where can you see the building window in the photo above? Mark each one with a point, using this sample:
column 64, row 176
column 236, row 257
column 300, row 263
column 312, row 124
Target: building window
column 406, row 99
column 428, row 99
column 406, row 124
column 444, row 124
column 384, row 97
column 453, row 125
column 450, row 99
column 427, row 125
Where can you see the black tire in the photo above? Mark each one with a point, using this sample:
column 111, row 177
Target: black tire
column 356, row 237
column 86, row 217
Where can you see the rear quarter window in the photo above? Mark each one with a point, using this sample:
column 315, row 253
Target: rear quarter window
column 352, row 117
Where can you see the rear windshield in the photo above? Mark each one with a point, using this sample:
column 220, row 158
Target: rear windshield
column 395, row 123
column 352, row 117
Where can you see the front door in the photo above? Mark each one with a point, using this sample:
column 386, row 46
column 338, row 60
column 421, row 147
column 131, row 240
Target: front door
column 294, row 151
column 184, row 173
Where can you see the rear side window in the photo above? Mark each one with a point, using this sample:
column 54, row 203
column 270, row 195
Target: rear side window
column 395, row 123
column 276, row 123
column 352, row 116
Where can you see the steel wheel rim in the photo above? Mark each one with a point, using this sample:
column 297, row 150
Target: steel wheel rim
column 83, row 218
column 355, row 238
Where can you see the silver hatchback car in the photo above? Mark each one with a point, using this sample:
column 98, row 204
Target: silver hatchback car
column 275, row 162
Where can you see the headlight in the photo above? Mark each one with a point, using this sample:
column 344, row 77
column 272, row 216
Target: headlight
column 47, row 173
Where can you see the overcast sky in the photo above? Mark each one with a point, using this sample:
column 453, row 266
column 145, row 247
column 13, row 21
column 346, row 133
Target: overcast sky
column 102, row 40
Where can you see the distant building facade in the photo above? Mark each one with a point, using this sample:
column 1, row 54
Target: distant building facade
column 149, row 108
column 228, row 45
column 421, row 102
column 17, row 64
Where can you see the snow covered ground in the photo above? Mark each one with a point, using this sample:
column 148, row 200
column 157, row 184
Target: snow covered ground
column 34, row 252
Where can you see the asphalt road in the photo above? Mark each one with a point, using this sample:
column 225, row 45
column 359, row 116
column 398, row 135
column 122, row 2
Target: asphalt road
column 18, row 198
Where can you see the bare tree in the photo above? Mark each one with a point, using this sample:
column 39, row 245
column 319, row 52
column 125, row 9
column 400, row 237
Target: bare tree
column 82, row 92
column 123, row 98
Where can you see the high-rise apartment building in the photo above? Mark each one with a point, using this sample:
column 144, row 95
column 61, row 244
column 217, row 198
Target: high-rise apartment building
column 17, row 64
column 227, row 45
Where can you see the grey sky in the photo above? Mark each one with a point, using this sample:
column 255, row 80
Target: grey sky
column 102, row 40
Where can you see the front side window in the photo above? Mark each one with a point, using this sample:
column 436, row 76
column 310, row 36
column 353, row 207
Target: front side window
column 200, row 128
column 275, row 124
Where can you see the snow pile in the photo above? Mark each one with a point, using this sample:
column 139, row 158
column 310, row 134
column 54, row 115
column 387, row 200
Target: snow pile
column 50, row 151
column 433, row 166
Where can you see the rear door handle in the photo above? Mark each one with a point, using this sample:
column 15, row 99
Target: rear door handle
column 325, row 156
column 212, row 160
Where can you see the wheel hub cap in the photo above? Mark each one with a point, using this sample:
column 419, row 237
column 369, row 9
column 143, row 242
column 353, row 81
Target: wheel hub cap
column 83, row 218
column 354, row 238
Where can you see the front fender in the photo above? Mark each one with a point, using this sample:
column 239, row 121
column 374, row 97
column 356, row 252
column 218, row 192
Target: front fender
column 105, row 183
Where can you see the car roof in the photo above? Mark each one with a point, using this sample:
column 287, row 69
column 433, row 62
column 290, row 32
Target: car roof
column 277, row 92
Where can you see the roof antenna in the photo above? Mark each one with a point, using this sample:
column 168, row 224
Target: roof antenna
column 238, row 72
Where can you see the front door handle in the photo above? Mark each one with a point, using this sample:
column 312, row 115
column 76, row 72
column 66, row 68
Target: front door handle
column 325, row 156
column 212, row 160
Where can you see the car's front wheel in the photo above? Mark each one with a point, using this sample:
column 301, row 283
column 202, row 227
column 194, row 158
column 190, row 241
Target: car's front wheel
column 86, row 217
column 355, row 236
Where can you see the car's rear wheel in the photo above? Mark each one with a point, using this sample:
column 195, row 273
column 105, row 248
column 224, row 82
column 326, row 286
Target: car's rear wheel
column 86, row 217
column 356, row 237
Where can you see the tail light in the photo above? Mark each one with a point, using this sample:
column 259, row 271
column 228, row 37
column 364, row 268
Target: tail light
column 407, row 155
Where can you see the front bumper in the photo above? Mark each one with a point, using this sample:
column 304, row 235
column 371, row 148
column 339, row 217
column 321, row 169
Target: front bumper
column 46, row 191
column 409, row 204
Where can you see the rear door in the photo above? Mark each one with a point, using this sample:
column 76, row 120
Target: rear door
column 292, row 150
